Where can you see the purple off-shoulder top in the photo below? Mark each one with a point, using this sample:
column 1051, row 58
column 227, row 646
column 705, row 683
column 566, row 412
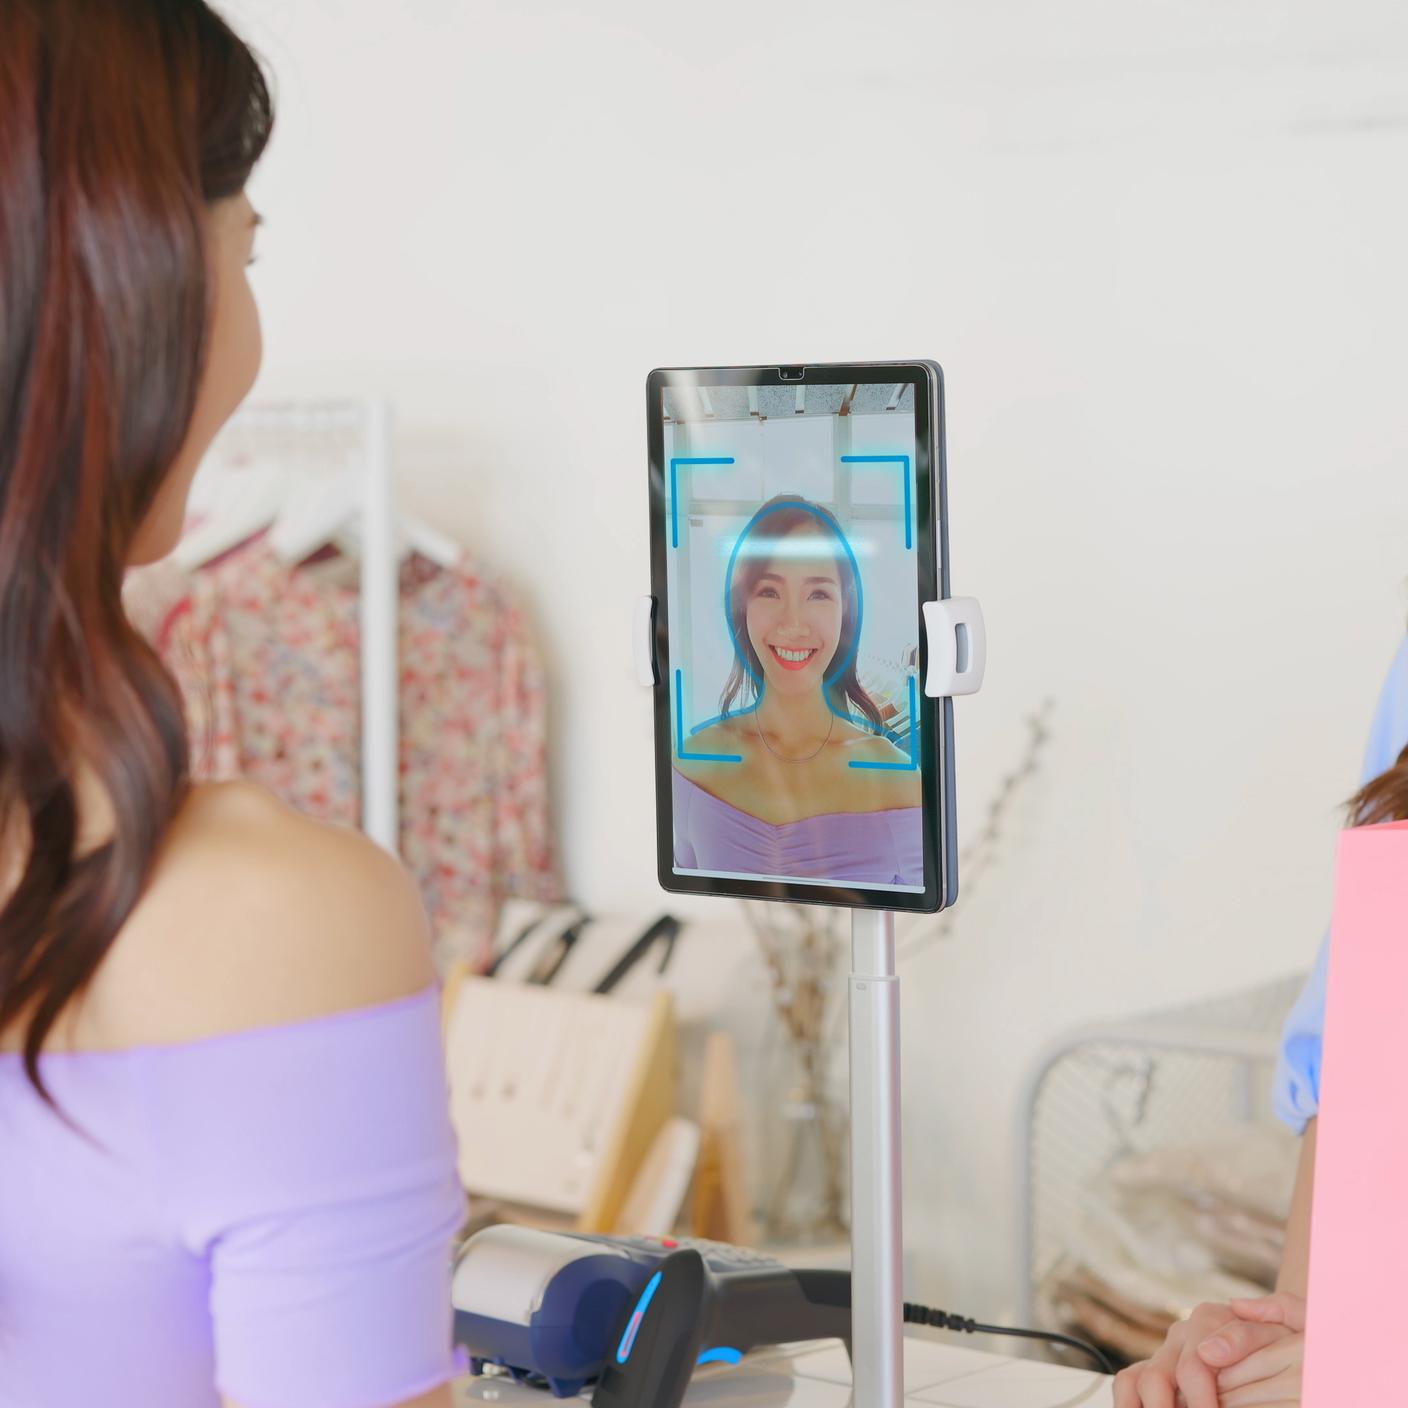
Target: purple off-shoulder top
column 266, row 1215
column 877, row 848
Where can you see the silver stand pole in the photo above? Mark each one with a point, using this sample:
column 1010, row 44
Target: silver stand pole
column 877, row 1289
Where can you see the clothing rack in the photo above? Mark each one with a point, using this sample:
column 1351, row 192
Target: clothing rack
column 358, row 431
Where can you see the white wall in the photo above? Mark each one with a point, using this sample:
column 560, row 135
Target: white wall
column 1159, row 250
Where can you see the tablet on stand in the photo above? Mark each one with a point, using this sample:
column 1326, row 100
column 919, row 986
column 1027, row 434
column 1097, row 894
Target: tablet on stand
column 803, row 651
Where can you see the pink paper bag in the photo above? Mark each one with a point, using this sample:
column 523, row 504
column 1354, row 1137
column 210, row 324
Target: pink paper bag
column 1357, row 1343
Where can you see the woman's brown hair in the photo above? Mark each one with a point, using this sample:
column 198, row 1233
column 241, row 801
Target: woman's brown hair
column 1385, row 798
column 121, row 121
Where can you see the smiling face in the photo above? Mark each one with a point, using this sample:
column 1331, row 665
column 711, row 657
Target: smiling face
column 794, row 611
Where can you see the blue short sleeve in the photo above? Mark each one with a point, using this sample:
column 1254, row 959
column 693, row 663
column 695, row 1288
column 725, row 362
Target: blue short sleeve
column 1295, row 1093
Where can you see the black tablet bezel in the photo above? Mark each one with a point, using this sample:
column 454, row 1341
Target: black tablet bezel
column 936, row 715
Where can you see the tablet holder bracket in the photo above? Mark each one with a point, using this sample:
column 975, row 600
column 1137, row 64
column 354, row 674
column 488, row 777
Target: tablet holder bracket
column 958, row 647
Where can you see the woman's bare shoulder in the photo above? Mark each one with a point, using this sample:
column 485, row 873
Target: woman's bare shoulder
column 256, row 915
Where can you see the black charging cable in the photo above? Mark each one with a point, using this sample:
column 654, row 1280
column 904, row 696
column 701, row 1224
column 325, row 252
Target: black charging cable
column 833, row 1288
column 942, row 1320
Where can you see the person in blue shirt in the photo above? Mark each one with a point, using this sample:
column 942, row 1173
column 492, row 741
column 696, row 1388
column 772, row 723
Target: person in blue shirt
column 1250, row 1352
column 1296, row 1093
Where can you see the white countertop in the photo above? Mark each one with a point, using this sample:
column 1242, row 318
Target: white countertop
column 819, row 1376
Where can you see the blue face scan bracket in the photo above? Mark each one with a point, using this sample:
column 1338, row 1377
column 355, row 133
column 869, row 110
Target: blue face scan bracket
column 903, row 462
column 689, row 461
column 912, row 765
column 680, row 734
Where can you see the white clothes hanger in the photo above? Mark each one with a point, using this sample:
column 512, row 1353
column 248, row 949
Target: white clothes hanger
column 229, row 504
column 315, row 473
column 319, row 510
column 299, row 473
column 419, row 536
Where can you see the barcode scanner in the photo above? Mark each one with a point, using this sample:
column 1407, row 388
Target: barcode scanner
column 713, row 1306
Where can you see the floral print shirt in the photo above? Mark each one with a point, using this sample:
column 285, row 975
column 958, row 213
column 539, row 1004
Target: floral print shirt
column 267, row 658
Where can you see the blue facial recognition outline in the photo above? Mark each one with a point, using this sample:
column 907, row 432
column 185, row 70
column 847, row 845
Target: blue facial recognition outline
column 690, row 461
column 903, row 462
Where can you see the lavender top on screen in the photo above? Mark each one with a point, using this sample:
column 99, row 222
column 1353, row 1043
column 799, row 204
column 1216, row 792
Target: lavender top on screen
column 878, row 848
column 267, row 1215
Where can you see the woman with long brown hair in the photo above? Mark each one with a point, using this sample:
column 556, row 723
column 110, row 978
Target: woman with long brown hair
column 227, row 1170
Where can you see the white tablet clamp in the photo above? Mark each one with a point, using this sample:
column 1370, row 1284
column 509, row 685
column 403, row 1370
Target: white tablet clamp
column 957, row 644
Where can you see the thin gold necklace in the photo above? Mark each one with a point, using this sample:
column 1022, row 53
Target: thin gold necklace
column 757, row 724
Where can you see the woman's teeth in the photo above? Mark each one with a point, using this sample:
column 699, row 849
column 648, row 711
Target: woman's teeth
column 791, row 659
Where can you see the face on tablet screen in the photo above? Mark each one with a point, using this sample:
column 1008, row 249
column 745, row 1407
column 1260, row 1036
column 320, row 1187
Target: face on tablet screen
column 793, row 588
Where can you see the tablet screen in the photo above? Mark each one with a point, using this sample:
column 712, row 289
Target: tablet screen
column 792, row 549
